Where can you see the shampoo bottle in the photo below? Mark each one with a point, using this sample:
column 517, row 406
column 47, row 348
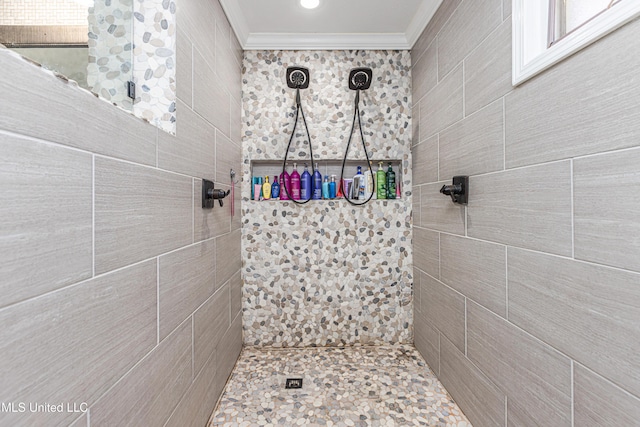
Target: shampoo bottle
column 361, row 186
column 325, row 187
column 369, row 185
column 266, row 188
column 317, row 184
column 306, row 184
column 275, row 188
column 332, row 187
column 381, row 181
column 285, row 181
column 294, row 190
column 391, row 183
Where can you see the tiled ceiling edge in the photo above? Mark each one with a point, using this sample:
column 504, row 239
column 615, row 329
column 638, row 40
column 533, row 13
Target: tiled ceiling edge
column 420, row 20
column 237, row 20
column 301, row 41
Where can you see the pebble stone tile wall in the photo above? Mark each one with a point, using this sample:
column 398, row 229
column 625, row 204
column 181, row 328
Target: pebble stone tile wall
column 353, row 386
column 110, row 50
column 327, row 273
column 154, row 56
column 135, row 41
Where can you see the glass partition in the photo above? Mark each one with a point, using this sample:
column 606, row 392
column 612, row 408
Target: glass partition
column 86, row 41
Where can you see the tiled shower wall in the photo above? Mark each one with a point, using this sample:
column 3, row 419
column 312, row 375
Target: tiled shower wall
column 326, row 273
column 119, row 291
column 528, row 300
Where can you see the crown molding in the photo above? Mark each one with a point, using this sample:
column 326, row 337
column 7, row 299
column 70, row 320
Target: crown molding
column 236, row 19
column 420, row 21
column 329, row 41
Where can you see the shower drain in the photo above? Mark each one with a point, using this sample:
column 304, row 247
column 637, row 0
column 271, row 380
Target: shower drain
column 293, row 383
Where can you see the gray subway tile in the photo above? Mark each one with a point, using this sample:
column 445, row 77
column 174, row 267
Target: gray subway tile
column 415, row 122
column 606, row 211
column 443, row 105
column 426, row 251
column 487, row 70
column 139, row 213
column 31, row 94
column 589, row 312
column 148, row 393
column 210, row 322
column 597, row 402
column 476, row 269
column 425, row 161
column 415, row 206
column 582, row 105
column 210, row 99
column 46, row 218
column 228, row 257
column 440, row 17
column 424, row 73
column 235, row 295
column 228, row 156
column 469, row 24
column 473, row 145
column 196, row 19
column 506, row 9
column 481, row 401
column 228, row 351
column 73, row 344
column 199, row 401
column 236, row 123
column 187, row 279
column 227, row 68
column 533, row 375
column 438, row 212
column 427, row 341
column 444, row 309
column 184, row 72
column 528, row 207
column 192, row 151
column 417, row 307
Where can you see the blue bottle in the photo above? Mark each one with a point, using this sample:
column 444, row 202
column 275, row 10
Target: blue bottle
column 275, row 188
column 325, row 187
column 317, row 184
column 306, row 185
column 332, row 187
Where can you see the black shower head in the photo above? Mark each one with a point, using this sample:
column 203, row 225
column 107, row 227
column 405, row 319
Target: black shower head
column 360, row 78
column 298, row 77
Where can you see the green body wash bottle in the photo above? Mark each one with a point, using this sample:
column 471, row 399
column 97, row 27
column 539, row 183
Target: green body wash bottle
column 381, row 183
column 391, row 183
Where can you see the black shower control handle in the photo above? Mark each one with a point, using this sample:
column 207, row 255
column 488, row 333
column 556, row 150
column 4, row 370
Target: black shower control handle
column 211, row 194
column 458, row 190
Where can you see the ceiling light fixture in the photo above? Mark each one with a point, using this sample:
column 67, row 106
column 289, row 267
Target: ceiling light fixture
column 310, row 4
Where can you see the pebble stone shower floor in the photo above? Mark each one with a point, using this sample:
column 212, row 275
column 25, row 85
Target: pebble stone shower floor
column 345, row 386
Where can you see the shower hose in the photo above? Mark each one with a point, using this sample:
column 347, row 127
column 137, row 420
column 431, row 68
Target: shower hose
column 299, row 111
column 356, row 115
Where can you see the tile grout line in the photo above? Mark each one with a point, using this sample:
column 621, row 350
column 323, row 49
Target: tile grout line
column 158, row 299
column 506, row 280
column 93, row 215
column 572, row 396
column 504, row 134
column 573, row 231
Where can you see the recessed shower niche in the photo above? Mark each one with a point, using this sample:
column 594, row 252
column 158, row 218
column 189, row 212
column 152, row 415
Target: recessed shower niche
column 328, row 168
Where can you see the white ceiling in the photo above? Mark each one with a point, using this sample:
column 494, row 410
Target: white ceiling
column 335, row 24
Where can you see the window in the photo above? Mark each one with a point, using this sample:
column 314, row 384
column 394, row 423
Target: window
column 547, row 31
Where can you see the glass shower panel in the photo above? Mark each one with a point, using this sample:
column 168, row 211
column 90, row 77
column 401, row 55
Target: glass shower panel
column 87, row 41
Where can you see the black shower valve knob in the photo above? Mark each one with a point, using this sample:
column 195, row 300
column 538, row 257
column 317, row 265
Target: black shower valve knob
column 211, row 194
column 458, row 190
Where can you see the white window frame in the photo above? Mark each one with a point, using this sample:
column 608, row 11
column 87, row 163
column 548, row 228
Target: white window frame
column 530, row 20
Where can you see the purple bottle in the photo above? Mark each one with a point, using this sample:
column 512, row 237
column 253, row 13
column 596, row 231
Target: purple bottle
column 294, row 191
column 285, row 180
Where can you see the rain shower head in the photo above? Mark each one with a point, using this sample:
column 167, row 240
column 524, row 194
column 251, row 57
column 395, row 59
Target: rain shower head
column 298, row 77
column 360, row 78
